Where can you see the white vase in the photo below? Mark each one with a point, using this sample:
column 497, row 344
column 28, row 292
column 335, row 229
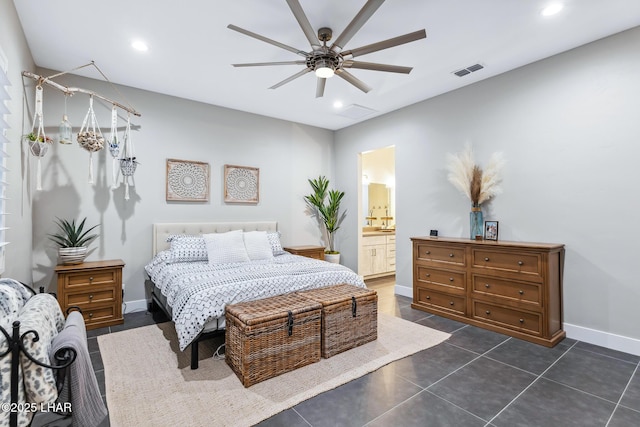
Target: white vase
column 334, row 258
column 74, row 255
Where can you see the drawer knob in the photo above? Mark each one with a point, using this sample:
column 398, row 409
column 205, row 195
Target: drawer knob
column 486, row 285
column 91, row 296
column 451, row 255
column 488, row 312
column 427, row 252
column 520, row 262
column 451, row 279
column 521, row 292
column 521, row 320
column 486, row 259
column 427, row 275
column 91, row 279
column 450, row 302
column 428, row 297
column 90, row 315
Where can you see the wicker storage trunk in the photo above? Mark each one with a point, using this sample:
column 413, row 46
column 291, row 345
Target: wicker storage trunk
column 349, row 316
column 271, row 336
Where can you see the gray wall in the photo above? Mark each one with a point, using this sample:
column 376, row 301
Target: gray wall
column 14, row 45
column 286, row 154
column 569, row 128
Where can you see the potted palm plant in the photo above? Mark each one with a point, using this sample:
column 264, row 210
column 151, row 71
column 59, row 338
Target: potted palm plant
column 325, row 205
column 72, row 240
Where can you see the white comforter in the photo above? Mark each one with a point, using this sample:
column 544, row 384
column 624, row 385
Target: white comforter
column 198, row 292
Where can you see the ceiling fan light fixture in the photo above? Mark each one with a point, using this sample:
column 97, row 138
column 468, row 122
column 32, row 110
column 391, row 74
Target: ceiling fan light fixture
column 324, row 69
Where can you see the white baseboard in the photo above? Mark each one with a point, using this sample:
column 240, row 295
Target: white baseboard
column 580, row 333
column 403, row 291
column 603, row 339
column 137, row 305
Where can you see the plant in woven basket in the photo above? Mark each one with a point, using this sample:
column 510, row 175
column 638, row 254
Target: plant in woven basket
column 325, row 204
column 42, row 138
column 72, row 239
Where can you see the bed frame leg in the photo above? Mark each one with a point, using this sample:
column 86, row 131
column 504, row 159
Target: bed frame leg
column 194, row 354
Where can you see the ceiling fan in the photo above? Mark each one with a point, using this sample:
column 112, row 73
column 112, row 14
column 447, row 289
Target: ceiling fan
column 325, row 60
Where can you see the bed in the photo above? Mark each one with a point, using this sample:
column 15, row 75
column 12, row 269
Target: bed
column 192, row 278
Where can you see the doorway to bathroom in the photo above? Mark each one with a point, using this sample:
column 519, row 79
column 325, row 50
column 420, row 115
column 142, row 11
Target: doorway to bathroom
column 377, row 247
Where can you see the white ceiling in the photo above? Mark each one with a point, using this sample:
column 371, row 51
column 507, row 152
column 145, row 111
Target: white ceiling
column 191, row 48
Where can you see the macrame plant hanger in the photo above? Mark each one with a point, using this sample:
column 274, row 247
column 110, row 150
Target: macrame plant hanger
column 37, row 139
column 114, row 147
column 128, row 162
column 90, row 137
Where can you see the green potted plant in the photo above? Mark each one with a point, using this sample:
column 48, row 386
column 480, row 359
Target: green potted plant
column 72, row 240
column 325, row 205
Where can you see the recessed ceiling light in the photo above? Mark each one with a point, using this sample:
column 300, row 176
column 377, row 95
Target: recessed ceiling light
column 139, row 45
column 338, row 104
column 552, row 9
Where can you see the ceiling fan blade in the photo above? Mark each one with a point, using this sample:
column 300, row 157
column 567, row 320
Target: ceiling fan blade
column 287, row 80
column 320, row 87
column 385, row 44
column 295, row 7
column 358, row 21
column 353, row 80
column 258, row 64
column 376, row 67
column 267, row 40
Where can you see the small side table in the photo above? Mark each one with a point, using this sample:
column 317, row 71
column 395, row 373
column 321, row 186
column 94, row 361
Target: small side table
column 309, row 251
column 95, row 287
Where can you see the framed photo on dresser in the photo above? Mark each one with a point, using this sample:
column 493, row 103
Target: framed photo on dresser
column 491, row 230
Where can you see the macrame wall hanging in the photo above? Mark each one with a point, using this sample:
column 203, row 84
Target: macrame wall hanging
column 90, row 136
column 128, row 161
column 37, row 140
column 114, row 147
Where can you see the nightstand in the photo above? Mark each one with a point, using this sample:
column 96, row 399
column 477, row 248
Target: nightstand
column 95, row 287
column 309, row 251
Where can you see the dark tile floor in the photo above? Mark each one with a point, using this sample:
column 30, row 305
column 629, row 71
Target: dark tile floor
column 476, row 378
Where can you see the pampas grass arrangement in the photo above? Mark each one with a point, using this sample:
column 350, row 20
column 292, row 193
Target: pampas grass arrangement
column 477, row 184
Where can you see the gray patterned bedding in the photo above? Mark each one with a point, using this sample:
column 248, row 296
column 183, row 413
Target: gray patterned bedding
column 198, row 292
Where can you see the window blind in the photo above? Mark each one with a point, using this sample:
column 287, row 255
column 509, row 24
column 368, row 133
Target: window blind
column 4, row 181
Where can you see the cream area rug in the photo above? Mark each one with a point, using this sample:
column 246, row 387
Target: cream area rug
column 149, row 381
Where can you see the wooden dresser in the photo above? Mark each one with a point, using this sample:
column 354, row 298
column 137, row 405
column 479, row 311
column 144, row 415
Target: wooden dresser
column 514, row 288
column 316, row 252
column 95, row 287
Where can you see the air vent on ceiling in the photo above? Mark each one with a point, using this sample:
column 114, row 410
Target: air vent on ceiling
column 468, row 70
column 355, row 111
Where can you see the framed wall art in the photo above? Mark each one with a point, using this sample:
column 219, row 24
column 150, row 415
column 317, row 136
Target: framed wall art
column 491, row 230
column 241, row 184
column 187, row 181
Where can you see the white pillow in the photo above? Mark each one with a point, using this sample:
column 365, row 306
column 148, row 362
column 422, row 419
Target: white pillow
column 257, row 245
column 223, row 248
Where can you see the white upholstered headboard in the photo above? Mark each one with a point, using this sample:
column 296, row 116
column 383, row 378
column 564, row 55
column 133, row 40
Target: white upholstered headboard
column 163, row 230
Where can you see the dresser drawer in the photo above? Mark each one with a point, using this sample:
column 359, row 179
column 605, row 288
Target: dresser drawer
column 525, row 263
column 507, row 317
column 87, row 299
column 90, row 278
column 452, row 303
column 391, row 251
column 450, row 280
column 441, row 254
column 508, row 290
column 102, row 314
